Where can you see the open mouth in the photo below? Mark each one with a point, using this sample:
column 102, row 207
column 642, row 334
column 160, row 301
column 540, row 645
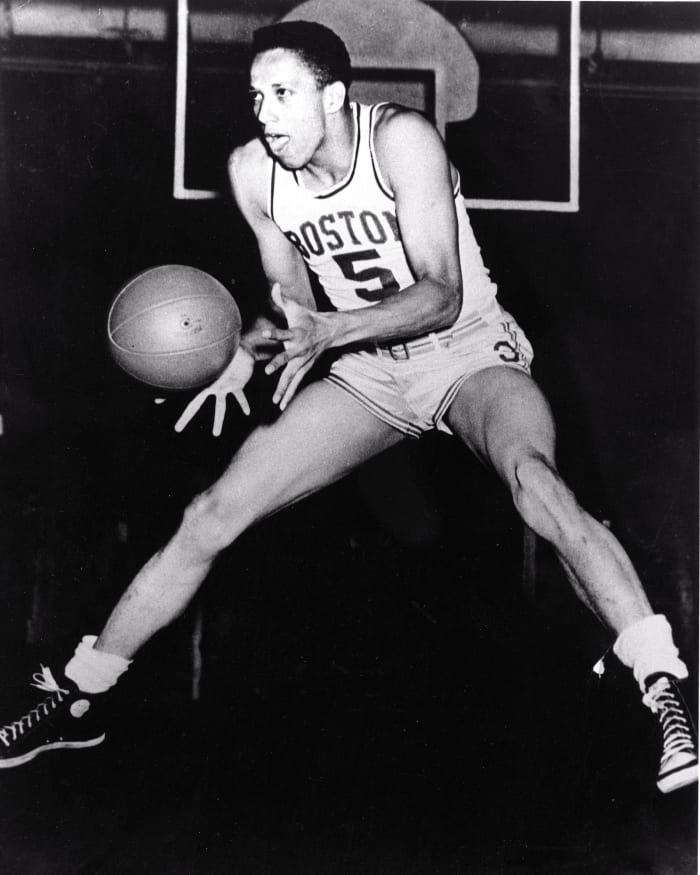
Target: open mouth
column 276, row 142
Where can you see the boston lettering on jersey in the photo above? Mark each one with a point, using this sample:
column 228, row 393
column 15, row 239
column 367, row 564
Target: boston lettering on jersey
column 346, row 229
column 349, row 235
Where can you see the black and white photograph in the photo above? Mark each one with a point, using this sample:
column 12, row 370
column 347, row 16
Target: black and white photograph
column 349, row 451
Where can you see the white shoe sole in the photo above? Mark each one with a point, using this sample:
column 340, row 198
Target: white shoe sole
column 681, row 778
column 57, row 745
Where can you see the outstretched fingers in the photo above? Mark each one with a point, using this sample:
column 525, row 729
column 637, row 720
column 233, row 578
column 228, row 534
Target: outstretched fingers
column 219, row 415
column 239, row 395
column 281, row 359
column 289, row 381
column 281, row 334
column 219, row 408
column 191, row 410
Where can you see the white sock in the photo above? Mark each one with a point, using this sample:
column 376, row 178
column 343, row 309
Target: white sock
column 95, row 671
column 647, row 647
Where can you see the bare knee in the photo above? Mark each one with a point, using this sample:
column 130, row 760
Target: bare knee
column 211, row 523
column 543, row 500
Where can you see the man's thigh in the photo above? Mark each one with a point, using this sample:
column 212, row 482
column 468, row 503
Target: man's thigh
column 321, row 436
column 502, row 414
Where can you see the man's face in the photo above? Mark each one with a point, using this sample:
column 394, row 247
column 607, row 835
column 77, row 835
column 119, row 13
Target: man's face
column 288, row 104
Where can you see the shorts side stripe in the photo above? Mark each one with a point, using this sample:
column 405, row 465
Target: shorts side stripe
column 374, row 408
column 448, row 398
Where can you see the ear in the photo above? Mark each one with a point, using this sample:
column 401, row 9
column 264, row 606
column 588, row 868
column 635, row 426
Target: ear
column 334, row 96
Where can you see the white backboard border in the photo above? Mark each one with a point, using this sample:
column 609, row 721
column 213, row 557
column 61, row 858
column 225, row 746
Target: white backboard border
column 571, row 205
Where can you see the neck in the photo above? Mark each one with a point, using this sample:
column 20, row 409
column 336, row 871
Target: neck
column 333, row 159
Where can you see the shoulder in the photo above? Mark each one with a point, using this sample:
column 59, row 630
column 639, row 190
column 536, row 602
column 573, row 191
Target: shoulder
column 404, row 139
column 251, row 156
column 397, row 125
column 249, row 168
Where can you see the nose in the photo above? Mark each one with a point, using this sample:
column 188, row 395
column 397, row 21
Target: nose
column 264, row 111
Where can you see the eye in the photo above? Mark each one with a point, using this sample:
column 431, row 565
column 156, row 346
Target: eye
column 282, row 93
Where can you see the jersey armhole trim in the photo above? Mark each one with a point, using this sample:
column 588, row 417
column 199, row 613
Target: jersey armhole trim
column 384, row 188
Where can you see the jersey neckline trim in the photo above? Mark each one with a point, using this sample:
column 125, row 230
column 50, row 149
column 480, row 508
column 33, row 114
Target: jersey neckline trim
column 271, row 191
column 347, row 179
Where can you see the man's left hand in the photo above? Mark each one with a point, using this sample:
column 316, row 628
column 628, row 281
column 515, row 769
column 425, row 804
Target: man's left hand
column 307, row 336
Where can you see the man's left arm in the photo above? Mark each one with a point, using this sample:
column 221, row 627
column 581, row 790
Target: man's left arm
column 414, row 163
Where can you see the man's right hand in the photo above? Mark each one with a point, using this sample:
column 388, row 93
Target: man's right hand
column 231, row 382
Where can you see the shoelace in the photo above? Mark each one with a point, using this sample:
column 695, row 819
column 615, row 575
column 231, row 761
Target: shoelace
column 45, row 681
column 663, row 701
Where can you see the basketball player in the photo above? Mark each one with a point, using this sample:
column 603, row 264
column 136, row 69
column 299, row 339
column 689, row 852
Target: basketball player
column 366, row 198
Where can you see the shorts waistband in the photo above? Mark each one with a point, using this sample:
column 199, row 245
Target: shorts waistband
column 437, row 340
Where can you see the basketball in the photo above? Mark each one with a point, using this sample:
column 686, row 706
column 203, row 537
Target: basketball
column 173, row 327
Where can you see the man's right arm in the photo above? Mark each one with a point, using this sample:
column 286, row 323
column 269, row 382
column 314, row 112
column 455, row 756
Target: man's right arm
column 283, row 266
column 249, row 171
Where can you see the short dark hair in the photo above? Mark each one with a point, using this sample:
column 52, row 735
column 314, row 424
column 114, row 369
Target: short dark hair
column 318, row 47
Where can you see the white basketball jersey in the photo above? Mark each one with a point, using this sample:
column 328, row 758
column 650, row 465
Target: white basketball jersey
column 349, row 235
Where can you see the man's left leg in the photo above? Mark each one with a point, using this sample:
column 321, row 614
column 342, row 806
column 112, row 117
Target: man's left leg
column 501, row 414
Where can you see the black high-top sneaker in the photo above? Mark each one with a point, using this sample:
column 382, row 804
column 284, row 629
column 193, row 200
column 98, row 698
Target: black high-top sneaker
column 679, row 754
column 65, row 719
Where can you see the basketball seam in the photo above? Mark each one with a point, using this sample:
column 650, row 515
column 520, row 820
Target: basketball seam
column 130, row 283
column 152, row 308
column 172, row 351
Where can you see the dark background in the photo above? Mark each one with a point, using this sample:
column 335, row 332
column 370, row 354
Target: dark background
column 375, row 672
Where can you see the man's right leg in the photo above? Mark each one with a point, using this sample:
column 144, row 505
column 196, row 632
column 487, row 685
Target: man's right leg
column 320, row 437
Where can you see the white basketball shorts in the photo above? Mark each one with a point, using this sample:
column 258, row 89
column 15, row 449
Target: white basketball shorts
column 411, row 385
